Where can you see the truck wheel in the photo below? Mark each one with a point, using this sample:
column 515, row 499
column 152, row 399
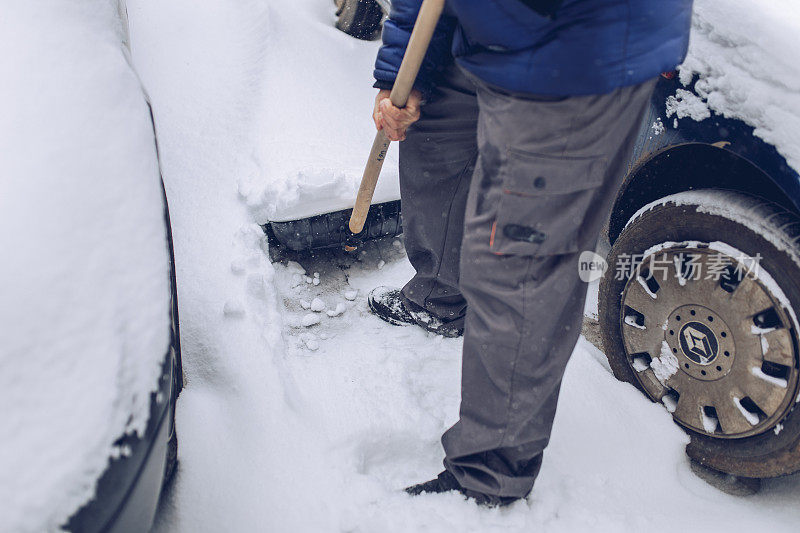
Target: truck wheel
column 697, row 310
column 359, row 18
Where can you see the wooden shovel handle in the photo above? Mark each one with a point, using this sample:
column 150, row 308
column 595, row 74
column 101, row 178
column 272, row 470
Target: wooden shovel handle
column 428, row 17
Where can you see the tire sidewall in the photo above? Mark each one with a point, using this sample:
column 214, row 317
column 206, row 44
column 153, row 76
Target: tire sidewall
column 360, row 18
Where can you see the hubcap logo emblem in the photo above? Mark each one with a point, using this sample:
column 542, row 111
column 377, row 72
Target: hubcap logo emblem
column 699, row 343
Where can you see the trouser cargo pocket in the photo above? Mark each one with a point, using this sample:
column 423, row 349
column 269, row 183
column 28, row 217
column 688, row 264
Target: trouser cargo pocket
column 544, row 202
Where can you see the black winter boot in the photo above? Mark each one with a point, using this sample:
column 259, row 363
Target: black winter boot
column 390, row 305
column 446, row 482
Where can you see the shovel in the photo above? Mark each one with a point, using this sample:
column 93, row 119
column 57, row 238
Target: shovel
column 428, row 17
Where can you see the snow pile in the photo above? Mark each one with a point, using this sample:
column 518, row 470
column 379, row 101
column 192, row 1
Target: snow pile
column 85, row 295
column 665, row 365
column 319, row 97
column 746, row 55
column 686, row 104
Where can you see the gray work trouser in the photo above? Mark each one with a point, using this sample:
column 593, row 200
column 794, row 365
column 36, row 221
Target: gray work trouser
column 500, row 194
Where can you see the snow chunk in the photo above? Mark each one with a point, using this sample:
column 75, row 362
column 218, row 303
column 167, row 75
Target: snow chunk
column 658, row 126
column 687, row 104
column 121, row 451
column 317, row 305
column 340, row 309
column 643, row 283
column 640, row 364
column 755, row 330
column 311, row 344
column 631, row 321
column 350, row 295
column 666, row 365
column 752, row 418
column 305, row 304
column 710, row 423
column 670, row 403
column 310, row 319
column 756, row 371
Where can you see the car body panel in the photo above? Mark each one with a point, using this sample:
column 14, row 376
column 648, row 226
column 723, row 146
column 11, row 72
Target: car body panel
column 717, row 152
column 731, row 135
column 127, row 494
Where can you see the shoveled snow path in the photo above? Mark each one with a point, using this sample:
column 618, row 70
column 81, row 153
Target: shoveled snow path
column 383, row 395
column 315, row 429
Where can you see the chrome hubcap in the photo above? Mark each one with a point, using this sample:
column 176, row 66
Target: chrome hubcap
column 719, row 351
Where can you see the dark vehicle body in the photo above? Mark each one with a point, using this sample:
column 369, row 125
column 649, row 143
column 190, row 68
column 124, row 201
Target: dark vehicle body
column 717, row 152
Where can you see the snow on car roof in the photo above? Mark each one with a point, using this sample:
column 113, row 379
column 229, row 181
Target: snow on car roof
column 745, row 54
column 85, row 288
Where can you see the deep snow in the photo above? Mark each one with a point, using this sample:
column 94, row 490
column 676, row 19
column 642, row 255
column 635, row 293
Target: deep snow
column 313, row 144
column 285, row 427
column 84, row 277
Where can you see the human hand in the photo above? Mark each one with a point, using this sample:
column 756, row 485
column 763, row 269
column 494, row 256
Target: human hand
column 394, row 121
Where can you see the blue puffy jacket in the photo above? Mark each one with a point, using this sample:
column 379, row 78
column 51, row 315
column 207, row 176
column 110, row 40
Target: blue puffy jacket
column 589, row 47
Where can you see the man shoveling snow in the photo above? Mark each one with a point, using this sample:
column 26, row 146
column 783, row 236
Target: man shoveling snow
column 507, row 173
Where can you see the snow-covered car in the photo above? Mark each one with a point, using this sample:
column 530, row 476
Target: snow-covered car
column 698, row 306
column 90, row 362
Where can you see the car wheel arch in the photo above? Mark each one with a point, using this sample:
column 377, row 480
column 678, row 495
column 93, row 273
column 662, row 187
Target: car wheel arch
column 688, row 166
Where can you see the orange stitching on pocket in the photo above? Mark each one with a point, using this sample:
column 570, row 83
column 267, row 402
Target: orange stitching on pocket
column 491, row 238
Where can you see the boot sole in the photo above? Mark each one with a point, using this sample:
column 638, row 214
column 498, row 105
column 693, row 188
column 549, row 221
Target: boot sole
column 385, row 318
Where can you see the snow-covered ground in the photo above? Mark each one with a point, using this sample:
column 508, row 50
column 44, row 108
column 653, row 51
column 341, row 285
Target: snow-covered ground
column 286, row 427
